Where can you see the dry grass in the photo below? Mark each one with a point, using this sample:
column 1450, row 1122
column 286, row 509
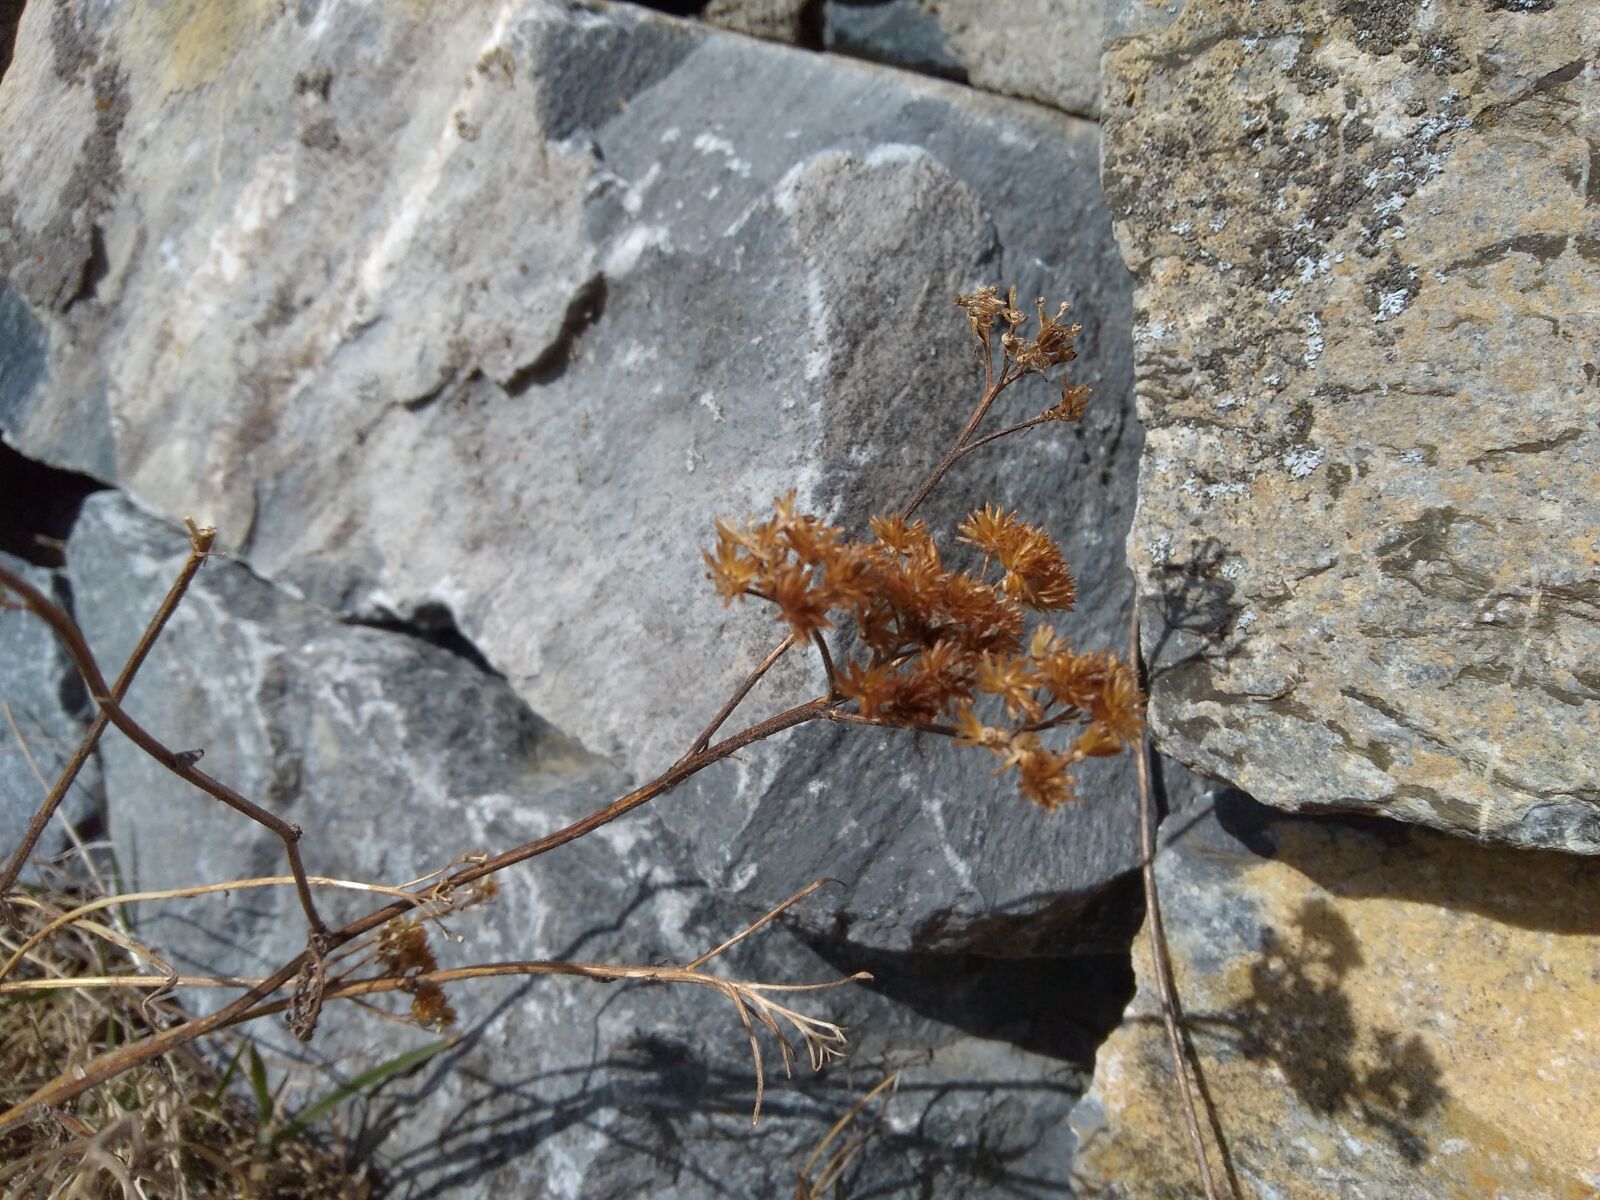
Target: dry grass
column 170, row 1128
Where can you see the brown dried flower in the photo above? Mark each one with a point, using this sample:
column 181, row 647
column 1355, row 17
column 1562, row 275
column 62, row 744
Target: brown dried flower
column 935, row 639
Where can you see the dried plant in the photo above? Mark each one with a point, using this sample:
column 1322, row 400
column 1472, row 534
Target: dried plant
column 958, row 642
column 167, row 1128
column 940, row 643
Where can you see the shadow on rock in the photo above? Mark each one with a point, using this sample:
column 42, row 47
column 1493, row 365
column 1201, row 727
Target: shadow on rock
column 1361, row 857
column 1299, row 1017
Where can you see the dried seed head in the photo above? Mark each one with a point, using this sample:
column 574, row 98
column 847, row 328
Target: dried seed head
column 982, row 307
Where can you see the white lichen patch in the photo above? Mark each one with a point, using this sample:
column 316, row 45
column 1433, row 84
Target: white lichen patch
column 1391, row 304
column 1303, row 460
column 1314, row 342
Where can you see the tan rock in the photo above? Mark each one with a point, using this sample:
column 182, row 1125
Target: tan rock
column 1375, row 1013
column 1367, row 253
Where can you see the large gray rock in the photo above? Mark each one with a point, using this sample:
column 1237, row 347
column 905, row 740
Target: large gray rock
column 491, row 312
column 396, row 755
column 1367, row 253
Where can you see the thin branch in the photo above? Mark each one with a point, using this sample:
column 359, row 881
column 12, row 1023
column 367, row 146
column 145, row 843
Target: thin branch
column 726, row 711
column 159, row 982
column 256, row 1002
column 1019, row 427
column 109, row 901
column 181, row 765
column 833, row 1170
column 771, row 916
column 992, row 389
column 827, row 664
column 991, row 393
column 200, row 541
column 72, row 834
column 850, row 718
column 1165, row 987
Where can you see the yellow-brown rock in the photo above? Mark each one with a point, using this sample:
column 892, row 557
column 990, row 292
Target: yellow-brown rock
column 1376, row 1012
column 1366, row 240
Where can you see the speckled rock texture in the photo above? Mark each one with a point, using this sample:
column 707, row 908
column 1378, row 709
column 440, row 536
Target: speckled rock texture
column 1366, row 239
column 1376, row 1011
column 397, row 755
column 489, row 313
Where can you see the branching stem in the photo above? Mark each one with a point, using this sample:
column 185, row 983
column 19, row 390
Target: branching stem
column 181, row 765
column 257, row 1001
column 200, row 541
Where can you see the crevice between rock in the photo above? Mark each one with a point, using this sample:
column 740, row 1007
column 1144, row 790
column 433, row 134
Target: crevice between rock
column 1060, row 1007
column 433, row 622
column 10, row 18
column 38, row 506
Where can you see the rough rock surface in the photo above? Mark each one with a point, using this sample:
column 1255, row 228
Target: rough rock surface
column 559, row 1088
column 488, row 313
column 1375, row 1011
column 1047, row 51
column 1367, row 245
column 775, row 20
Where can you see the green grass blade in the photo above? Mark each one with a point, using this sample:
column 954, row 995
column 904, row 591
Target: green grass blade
column 381, row 1073
column 258, row 1085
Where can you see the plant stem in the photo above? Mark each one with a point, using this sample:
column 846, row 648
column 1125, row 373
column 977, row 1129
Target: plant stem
column 80, row 1078
column 1165, row 988
column 200, row 541
column 180, row 765
column 991, row 393
column 726, row 711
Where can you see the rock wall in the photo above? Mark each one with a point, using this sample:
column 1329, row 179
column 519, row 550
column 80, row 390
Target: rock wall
column 1367, row 249
column 492, row 315
column 462, row 324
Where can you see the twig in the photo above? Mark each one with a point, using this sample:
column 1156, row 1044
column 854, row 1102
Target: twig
column 827, row 663
column 1165, row 987
column 991, row 393
column 850, row 718
column 200, row 540
column 751, row 999
column 1019, row 427
column 726, row 711
column 183, row 893
column 181, row 765
column 256, row 1002
column 771, row 916
column 159, row 982
column 839, row 1161
column 72, row 833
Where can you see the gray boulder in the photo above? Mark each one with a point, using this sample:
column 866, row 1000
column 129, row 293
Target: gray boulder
column 1366, row 256
column 485, row 316
column 396, row 755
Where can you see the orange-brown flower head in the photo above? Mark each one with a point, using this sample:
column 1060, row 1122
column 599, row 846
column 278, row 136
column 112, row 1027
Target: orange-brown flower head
column 982, row 306
column 1035, row 572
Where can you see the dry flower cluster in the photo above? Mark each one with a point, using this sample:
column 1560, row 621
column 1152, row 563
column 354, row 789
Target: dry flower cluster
column 939, row 641
column 942, row 644
column 403, row 951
